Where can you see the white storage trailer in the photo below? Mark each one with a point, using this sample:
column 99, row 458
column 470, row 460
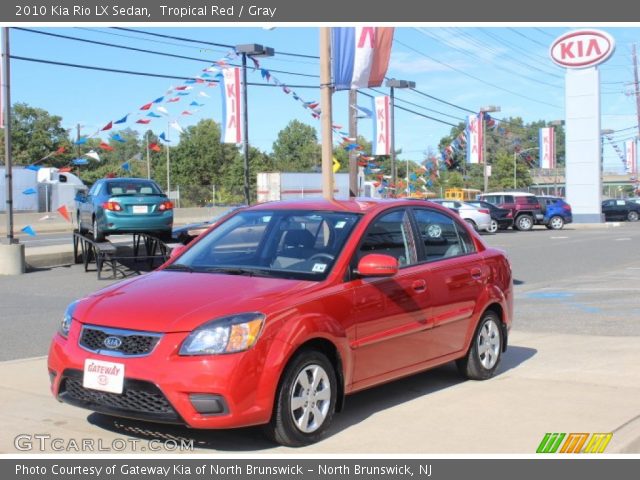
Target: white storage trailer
column 273, row 186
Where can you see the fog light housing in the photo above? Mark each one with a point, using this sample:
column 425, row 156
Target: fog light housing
column 208, row 404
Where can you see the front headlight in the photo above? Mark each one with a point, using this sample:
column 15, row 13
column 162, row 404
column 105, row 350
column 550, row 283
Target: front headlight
column 234, row 333
column 65, row 323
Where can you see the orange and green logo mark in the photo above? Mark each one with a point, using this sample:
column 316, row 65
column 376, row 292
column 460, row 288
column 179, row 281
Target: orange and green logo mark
column 573, row 442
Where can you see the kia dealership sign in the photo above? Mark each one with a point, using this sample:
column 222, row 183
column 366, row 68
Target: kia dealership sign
column 582, row 48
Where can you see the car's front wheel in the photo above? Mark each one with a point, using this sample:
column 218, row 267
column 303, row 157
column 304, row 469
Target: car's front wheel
column 305, row 401
column 632, row 216
column 485, row 353
column 556, row 223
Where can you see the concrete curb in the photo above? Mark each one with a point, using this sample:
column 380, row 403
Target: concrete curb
column 627, row 437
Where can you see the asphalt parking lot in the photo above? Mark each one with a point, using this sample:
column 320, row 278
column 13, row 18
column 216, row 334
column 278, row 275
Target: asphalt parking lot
column 571, row 365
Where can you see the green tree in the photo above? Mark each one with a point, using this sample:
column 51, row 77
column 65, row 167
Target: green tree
column 35, row 134
column 297, row 148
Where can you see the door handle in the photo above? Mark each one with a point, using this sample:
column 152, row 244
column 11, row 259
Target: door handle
column 419, row 286
column 476, row 273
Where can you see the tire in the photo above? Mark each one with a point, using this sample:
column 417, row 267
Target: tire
column 632, row 216
column 484, row 355
column 493, row 226
column 524, row 223
column 81, row 230
column 471, row 223
column 556, row 223
column 296, row 427
column 98, row 236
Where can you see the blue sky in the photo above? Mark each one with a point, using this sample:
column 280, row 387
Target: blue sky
column 470, row 67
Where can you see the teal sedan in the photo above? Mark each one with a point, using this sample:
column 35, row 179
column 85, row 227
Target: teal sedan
column 124, row 205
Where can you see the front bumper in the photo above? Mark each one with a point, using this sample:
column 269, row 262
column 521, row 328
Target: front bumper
column 161, row 386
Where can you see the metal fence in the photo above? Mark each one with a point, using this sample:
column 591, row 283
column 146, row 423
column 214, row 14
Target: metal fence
column 189, row 196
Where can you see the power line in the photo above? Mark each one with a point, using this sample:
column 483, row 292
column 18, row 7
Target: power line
column 475, row 56
column 473, row 76
column 518, row 32
column 152, row 52
column 413, row 111
column 142, row 74
column 419, row 106
column 203, row 42
column 419, row 92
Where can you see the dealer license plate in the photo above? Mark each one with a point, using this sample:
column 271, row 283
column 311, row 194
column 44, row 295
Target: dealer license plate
column 104, row 376
column 140, row 209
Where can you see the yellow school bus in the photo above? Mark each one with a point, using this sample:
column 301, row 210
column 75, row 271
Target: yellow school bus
column 461, row 194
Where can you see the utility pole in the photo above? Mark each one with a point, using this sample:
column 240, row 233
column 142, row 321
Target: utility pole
column 636, row 85
column 78, row 127
column 326, row 116
column 168, row 164
column 353, row 133
column 148, row 161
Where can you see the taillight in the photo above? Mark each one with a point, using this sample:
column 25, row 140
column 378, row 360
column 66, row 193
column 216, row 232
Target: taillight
column 112, row 206
column 566, row 207
column 483, row 210
column 165, row 206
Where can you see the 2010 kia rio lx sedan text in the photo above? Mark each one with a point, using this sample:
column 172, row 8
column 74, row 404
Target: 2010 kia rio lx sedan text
column 275, row 314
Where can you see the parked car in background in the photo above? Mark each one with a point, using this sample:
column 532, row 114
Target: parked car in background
column 501, row 218
column 279, row 311
column 478, row 218
column 124, row 205
column 186, row 233
column 557, row 212
column 621, row 210
column 525, row 207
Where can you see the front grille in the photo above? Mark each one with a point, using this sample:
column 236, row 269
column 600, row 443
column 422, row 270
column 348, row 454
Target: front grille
column 132, row 342
column 139, row 399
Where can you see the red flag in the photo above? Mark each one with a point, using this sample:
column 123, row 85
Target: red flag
column 212, row 84
column 143, row 121
column 155, row 147
column 147, row 106
column 183, row 87
column 106, row 146
column 199, row 80
column 107, row 126
column 175, row 99
column 60, row 150
column 65, row 170
column 187, row 112
column 64, row 212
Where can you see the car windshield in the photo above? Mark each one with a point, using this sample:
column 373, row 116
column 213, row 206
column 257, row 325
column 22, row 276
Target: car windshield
column 133, row 188
column 277, row 243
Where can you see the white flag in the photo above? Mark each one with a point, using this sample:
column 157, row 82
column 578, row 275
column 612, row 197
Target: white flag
column 176, row 126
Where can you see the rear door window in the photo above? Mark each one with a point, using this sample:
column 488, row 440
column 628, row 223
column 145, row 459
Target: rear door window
column 441, row 236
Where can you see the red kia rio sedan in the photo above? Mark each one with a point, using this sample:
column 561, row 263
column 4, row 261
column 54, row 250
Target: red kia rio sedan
column 278, row 312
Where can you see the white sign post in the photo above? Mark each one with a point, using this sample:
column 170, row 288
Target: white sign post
column 580, row 52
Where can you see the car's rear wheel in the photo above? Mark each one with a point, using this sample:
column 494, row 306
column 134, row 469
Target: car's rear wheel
column 556, row 223
column 524, row 223
column 305, row 401
column 632, row 216
column 493, row 226
column 98, row 236
column 485, row 352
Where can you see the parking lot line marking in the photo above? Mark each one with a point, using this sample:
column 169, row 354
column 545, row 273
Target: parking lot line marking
column 623, row 239
column 557, row 238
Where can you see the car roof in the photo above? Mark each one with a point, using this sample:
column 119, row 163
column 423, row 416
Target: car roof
column 126, row 179
column 356, row 205
column 515, row 194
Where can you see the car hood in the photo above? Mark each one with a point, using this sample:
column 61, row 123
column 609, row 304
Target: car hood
column 170, row 301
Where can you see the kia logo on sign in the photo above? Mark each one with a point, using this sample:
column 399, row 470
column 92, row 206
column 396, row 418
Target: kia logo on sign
column 112, row 342
column 581, row 49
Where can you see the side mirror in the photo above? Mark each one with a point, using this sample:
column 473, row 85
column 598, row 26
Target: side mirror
column 177, row 251
column 81, row 196
column 377, row 265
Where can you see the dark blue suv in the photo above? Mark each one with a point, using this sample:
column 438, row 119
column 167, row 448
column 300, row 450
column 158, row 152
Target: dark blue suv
column 557, row 212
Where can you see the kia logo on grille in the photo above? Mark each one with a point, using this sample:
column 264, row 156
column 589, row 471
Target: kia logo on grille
column 112, row 342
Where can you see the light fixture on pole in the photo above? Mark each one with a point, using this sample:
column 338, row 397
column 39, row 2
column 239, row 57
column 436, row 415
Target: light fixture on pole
column 252, row 50
column 483, row 110
column 393, row 84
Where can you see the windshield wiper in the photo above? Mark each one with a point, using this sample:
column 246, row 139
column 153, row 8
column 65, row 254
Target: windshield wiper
column 181, row 267
column 240, row 271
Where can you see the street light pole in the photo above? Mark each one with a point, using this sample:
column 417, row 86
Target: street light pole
column 393, row 84
column 483, row 110
column 253, row 50
column 7, row 133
